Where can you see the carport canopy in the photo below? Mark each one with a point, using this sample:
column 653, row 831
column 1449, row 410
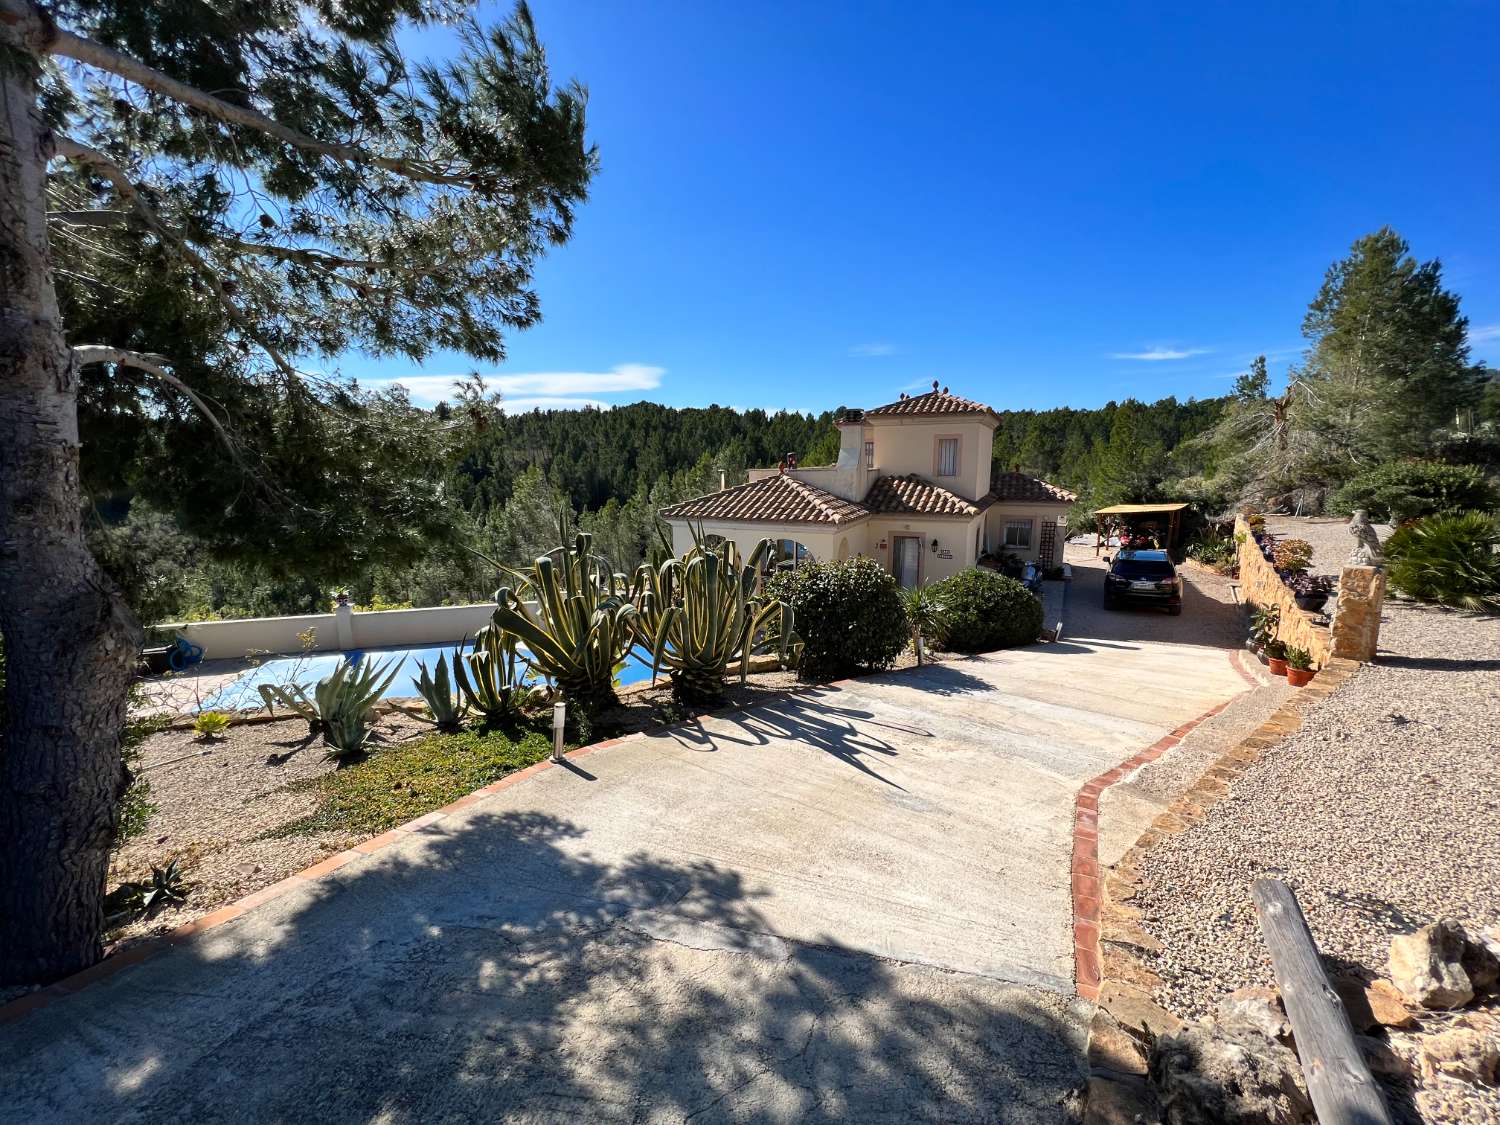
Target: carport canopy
column 1128, row 512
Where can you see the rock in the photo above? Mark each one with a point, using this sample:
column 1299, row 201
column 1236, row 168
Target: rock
column 1227, row 1074
column 1388, row 1005
column 1377, row 1004
column 1383, row 1059
column 1427, row 966
column 1112, row 1048
column 1482, row 964
column 1261, row 1008
column 1463, row 1053
column 1136, row 1012
column 1120, row 1101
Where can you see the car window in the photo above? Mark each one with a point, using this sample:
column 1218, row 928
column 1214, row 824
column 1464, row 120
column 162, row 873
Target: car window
column 1143, row 568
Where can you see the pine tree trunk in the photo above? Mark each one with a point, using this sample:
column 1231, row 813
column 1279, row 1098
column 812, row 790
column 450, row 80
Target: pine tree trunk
column 69, row 642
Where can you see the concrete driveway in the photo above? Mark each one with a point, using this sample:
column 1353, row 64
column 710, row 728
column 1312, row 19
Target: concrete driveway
column 853, row 904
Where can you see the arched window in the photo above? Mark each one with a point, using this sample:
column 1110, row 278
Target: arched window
column 790, row 555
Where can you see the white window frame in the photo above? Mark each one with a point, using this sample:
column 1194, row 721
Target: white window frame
column 869, row 454
column 1017, row 524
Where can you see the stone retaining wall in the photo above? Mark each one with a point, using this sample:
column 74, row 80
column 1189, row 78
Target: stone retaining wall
column 1260, row 585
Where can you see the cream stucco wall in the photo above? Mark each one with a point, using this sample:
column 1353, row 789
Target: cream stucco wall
column 996, row 516
column 909, row 445
column 823, row 541
column 955, row 538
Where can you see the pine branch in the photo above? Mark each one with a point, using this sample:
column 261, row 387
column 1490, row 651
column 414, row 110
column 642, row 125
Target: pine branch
column 89, row 218
column 86, row 51
column 85, row 354
column 83, row 154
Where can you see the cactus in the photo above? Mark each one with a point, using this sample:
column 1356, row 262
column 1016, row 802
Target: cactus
column 575, row 621
column 699, row 614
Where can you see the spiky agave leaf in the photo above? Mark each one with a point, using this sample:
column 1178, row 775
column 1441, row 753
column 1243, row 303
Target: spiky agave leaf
column 699, row 614
column 570, row 613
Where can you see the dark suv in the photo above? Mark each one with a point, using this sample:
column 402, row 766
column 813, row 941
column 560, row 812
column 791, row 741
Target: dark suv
column 1147, row 577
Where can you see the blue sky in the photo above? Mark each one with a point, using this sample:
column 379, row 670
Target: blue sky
column 808, row 205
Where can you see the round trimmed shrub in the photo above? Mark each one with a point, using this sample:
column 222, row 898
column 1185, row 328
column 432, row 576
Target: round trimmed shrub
column 848, row 614
column 985, row 611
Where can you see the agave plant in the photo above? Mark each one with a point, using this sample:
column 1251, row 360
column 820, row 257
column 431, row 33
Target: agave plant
column 436, row 689
column 492, row 676
column 572, row 616
column 699, row 614
column 341, row 706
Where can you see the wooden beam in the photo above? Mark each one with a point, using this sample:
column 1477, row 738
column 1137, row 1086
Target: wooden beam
column 1338, row 1080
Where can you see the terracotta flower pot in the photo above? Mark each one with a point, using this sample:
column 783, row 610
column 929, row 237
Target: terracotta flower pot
column 1299, row 676
column 1277, row 666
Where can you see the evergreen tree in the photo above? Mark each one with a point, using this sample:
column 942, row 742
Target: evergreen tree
column 1388, row 365
column 293, row 187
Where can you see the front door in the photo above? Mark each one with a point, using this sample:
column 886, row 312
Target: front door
column 907, row 560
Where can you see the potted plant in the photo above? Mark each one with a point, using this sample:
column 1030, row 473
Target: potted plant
column 1299, row 669
column 1276, row 656
column 1292, row 556
column 1311, row 591
column 1263, row 625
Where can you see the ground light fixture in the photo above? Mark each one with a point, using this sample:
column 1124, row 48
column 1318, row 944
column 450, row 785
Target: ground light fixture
column 559, row 720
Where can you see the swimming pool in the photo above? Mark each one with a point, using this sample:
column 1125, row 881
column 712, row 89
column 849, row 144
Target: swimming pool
column 243, row 693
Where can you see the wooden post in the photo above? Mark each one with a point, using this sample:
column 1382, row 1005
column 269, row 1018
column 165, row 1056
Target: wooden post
column 1338, row 1081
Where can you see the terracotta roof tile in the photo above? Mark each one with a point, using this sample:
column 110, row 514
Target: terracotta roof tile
column 911, row 495
column 1020, row 488
column 777, row 499
column 933, row 402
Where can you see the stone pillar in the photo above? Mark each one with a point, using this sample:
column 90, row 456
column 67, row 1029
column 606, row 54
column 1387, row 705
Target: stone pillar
column 1356, row 619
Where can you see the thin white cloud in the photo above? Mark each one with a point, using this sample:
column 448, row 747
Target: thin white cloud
column 1156, row 355
column 872, row 351
column 550, row 390
column 917, row 385
column 1484, row 333
column 549, row 402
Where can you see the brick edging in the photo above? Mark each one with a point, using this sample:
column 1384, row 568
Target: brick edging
column 1122, row 981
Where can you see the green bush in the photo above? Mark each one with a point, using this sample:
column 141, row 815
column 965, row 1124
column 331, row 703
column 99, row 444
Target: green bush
column 1448, row 560
column 987, row 611
column 1409, row 490
column 849, row 616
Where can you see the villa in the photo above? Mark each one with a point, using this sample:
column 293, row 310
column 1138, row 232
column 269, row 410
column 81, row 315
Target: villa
column 912, row 488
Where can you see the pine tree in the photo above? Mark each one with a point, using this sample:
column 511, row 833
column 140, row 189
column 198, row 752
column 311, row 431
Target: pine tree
column 296, row 188
column 1389, row 363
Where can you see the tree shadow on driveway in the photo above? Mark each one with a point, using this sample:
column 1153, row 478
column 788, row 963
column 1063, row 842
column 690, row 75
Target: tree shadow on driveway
column 494, row 970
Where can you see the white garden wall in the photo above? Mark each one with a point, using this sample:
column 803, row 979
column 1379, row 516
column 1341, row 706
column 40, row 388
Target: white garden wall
column 334, row 632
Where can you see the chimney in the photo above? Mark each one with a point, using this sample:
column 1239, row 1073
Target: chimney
column 723, row 479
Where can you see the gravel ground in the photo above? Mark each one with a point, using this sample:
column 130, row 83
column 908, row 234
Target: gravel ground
column 1380, row 812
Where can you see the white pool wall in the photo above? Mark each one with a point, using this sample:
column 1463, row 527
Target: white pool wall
column 333, row 632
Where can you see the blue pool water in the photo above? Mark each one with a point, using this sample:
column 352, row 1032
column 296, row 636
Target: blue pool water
column 244, row 692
